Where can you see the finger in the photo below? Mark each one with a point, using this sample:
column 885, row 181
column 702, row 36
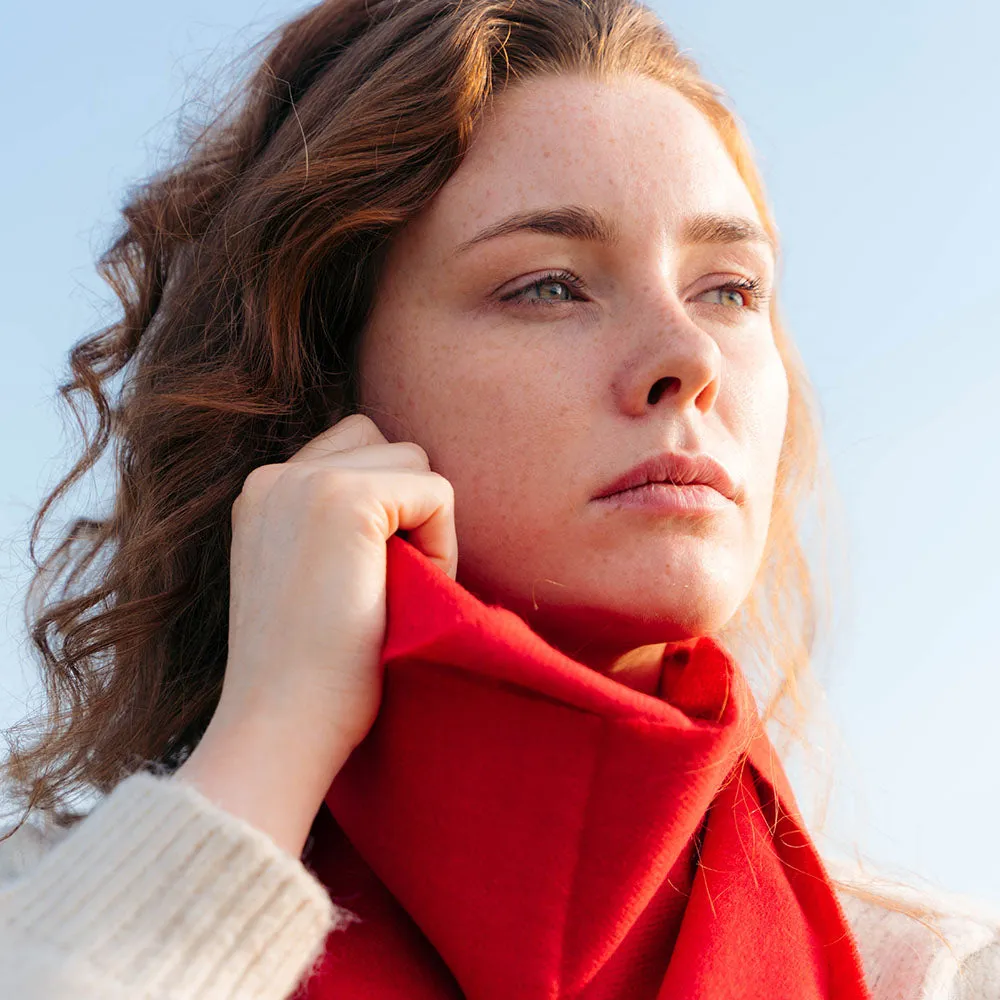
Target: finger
column 355, row 431
column 394, row 455
column 425, row 511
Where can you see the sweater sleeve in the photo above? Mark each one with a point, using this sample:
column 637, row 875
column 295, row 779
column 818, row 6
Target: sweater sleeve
column 979, row 978
column 159, row 893
column 954, row 954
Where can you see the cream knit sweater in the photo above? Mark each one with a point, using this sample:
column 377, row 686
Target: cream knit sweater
column 159, row 894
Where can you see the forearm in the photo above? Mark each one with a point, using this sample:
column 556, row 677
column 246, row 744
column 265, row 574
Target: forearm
column 266, row 773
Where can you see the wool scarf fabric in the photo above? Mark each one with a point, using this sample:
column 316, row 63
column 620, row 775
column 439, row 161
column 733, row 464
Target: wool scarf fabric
column 517, row 826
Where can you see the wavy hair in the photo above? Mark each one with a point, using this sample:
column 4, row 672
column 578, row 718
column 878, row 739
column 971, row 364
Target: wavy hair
column 245, row 274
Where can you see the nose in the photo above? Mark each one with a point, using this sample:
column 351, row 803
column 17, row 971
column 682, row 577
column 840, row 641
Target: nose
column 675, row 363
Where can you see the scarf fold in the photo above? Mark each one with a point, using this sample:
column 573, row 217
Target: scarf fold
column 517, row 826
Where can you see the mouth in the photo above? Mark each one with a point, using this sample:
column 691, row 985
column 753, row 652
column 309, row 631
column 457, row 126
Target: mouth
column 669, row 498
column 688, row 477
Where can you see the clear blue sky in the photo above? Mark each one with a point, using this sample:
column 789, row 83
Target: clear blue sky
column 876, row 129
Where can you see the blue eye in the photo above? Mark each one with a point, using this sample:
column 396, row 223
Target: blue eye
column 752, row 289
column 553, row 288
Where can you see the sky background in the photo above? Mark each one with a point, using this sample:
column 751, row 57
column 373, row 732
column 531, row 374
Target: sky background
column 876, row 132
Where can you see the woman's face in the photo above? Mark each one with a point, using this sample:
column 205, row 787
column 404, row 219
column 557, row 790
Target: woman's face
column 531, row 391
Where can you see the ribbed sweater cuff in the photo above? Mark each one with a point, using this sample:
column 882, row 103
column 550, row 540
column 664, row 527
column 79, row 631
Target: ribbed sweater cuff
column 161, row 890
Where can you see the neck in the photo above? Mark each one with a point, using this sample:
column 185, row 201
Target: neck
column 636, row 666
column 610, row 644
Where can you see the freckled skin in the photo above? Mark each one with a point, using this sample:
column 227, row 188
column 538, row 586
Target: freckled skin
column 529, row 408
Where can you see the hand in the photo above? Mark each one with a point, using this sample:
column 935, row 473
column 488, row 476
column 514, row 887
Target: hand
column 307, row 617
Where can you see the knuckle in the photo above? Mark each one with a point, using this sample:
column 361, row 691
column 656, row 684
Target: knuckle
column 445, row 486
column 351, row 419
column 325, row 485
column 414, row 451
column 259, row 480
column 364, row 424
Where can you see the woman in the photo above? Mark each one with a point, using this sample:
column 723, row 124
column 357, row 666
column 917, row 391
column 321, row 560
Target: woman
column 458, row 445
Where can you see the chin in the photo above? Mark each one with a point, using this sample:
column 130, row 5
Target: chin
column 643, row 602
column 624, row 621
column 670, row 621
column 699, row 599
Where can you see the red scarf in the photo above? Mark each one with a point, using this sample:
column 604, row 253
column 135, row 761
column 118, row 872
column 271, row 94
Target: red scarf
column 517, row 826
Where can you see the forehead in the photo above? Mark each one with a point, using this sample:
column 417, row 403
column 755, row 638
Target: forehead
column 632, row 147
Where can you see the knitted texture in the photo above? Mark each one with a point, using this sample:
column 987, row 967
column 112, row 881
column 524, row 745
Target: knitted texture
column 905, row 958
column 160, row 893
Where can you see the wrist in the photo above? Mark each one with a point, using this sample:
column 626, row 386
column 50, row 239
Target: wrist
column 272, row 778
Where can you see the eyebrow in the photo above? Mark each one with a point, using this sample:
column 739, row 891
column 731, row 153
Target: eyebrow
column 575, row 223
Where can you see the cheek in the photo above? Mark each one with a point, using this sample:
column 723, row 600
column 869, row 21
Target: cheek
column 753, row 407
column 765, row 405
column 503, row 430
column 774, row 406
column 503, row 453
column 761, row 395
column 481, row 415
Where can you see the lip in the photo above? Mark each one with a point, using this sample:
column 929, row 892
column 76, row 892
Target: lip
column 681, row 476
column 662, row 498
